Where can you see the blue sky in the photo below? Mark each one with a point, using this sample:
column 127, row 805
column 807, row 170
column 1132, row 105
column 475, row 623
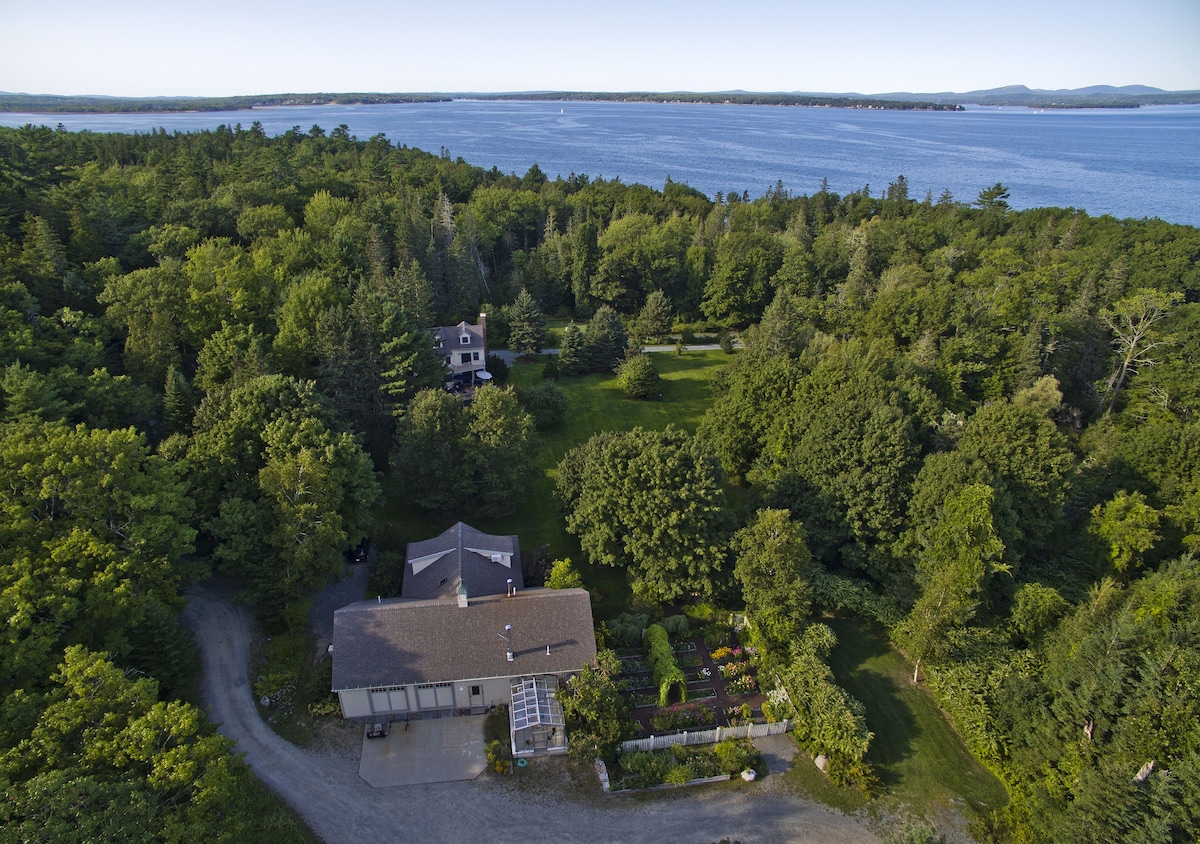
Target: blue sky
column 229, row 47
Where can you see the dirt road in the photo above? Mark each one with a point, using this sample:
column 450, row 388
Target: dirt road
column 327, row 792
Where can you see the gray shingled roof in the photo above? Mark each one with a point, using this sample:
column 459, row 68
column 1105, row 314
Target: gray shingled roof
column 397, row 642
column 450, row 337
column 434, row 567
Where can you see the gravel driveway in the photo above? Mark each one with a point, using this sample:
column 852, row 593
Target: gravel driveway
column 327, row 792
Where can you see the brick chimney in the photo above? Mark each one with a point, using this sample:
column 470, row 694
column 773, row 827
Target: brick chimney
column 483, row 329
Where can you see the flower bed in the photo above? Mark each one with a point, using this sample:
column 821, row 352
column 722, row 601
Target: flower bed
column 738, row 715
column 728, row 654
column 729, row 670
column 746, row 684
column 683, row 716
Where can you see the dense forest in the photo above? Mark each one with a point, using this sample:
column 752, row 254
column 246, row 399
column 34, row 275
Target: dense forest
column 971, row 425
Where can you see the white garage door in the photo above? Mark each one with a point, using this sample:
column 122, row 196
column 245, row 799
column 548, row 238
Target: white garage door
column 435, row 696
column 389, row 700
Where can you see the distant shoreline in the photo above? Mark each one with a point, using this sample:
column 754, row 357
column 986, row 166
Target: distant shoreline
column 1005, row 97
column 39, row 104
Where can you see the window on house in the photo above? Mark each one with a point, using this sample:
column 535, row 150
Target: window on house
column 476, row 690
column 466, row 357
column 465, row 339
column 474, row 355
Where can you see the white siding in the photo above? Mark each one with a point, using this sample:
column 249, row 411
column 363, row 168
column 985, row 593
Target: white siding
column 355, row 703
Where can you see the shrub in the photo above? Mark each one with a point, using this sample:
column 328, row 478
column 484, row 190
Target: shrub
column 314, row 689
column 564, row 575
column 680, row 775
column 546, row 403
column 676, row 626
column 736, row 756
column 495, row 725
column 854, row 774
column 499, row 370
column 638, row 379
column 716, row 635
column 702, row 611
column 499, row 756
column 626, row 629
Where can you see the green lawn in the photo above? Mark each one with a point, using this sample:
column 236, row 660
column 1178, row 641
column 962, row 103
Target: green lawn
column 916, row 753
column 595, row 404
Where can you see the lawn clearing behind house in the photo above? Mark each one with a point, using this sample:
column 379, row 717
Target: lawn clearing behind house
column 596, row 404
column 916, row 752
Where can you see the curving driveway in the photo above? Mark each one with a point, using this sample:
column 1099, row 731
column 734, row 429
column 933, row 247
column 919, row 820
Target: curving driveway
column 340, row 807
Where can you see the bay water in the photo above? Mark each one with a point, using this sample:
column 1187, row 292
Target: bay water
column 1136, row 163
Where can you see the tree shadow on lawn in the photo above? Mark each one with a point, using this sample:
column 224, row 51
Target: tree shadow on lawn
column 859, row 662
column 916, row 751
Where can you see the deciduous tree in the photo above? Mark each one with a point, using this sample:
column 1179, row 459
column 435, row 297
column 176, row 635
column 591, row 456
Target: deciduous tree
column 650, row 501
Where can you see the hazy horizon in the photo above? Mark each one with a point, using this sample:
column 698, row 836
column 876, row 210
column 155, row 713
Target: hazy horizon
column 136, row 48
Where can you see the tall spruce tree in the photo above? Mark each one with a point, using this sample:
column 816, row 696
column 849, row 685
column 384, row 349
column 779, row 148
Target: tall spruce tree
column 526, row 324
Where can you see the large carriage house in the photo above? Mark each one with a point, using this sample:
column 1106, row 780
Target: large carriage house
column 464, row 636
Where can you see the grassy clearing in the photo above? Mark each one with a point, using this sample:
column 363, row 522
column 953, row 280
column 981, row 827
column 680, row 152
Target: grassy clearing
column 916, row 752
column 596, row 404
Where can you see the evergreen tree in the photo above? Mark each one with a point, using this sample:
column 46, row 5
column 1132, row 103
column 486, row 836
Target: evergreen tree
column 571, row 351
column 654, row 321
column 604, row 341
column 526, row 325
column 638, row 378
column 178, row 404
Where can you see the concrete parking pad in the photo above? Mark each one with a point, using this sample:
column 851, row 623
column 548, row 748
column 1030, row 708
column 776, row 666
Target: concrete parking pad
column 429, row 750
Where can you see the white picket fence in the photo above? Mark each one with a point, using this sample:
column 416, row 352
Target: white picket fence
column 707, row 736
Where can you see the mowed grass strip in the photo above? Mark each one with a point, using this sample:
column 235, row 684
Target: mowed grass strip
column 916, row 752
